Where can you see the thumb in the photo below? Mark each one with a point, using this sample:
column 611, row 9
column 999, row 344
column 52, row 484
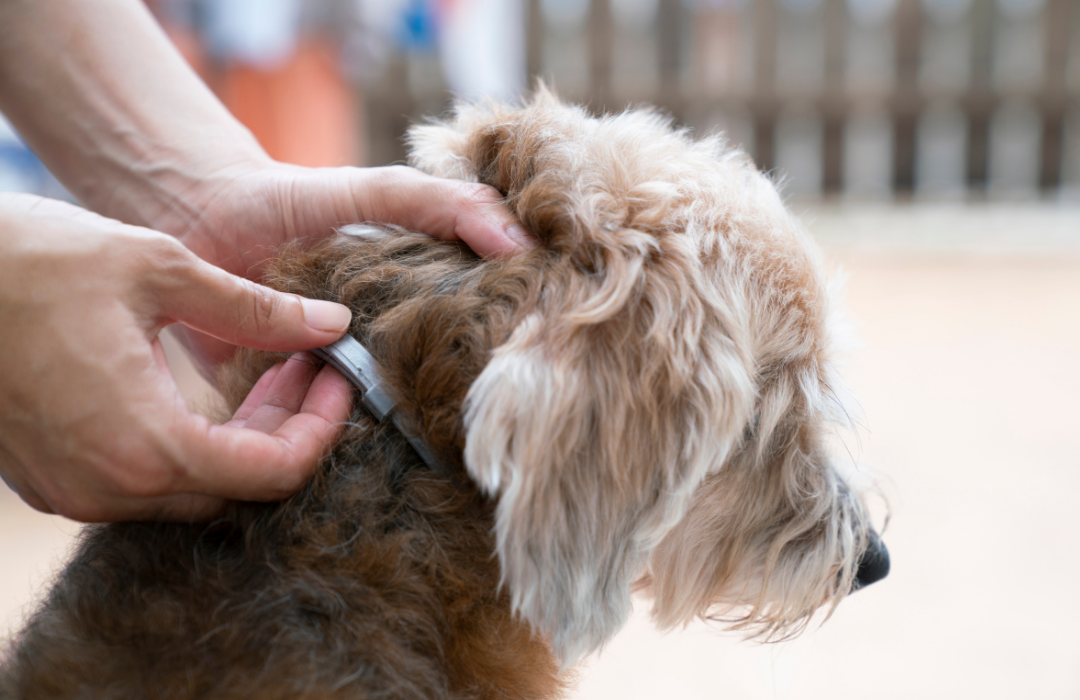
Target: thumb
column 241, row 312
column 448, row 209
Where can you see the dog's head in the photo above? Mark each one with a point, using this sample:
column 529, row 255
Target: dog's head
column 656, row 415
column 646, row 393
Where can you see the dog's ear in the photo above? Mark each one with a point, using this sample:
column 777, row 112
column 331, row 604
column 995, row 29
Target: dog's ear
column 444, row 147
column 594, row 423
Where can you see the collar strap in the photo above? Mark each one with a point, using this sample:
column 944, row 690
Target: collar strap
column 357, row 365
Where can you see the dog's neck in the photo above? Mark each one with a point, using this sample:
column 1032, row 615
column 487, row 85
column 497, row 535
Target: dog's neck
column 356, row 364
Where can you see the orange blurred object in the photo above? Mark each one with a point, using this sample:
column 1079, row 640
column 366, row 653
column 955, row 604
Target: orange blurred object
column 302, row 112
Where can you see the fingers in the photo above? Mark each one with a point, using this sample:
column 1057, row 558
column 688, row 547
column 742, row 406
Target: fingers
column 290, row 418
column 268, row 450
column 446, row 209
column 92, row 426
column 241, row 312
column 277, row 396
column 254, row 397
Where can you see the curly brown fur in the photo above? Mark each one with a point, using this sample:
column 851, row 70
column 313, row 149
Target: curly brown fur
column 377, row 580
column 643, row 399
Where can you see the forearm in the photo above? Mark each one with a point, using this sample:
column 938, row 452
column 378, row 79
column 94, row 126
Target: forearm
column 100, row 94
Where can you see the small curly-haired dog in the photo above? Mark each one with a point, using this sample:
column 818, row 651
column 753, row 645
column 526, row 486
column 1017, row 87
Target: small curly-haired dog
column 638, row 403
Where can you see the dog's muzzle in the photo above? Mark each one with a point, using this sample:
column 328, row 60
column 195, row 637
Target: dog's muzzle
column 874, row 564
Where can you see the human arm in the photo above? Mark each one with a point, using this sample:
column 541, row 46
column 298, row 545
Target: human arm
column 110, row 106
column 97, row 90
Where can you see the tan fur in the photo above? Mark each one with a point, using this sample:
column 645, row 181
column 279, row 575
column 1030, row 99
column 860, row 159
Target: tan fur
column 681, row 304
column 642, row 398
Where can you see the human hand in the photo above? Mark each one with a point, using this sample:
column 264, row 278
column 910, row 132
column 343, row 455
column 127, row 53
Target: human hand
column 136, row 136
column 92, row 425
column 237, row 217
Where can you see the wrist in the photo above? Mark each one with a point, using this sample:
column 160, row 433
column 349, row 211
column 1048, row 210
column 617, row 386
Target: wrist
column 170, row 190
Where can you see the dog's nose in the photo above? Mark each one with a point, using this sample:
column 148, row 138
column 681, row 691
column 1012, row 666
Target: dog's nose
column 874, row 564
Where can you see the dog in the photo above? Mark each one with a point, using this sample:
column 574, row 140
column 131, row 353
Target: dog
column 638, row 404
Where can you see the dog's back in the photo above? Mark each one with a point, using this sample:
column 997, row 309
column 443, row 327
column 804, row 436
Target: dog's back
column 376, row 580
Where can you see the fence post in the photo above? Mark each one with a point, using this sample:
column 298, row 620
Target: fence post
column 389, row 105
column 764, row 100
column 1057, row 27
column 834, row 105
column 980, row 100
column 601, row 45
column 534, row 42
column 669, row 56
column 906, row 103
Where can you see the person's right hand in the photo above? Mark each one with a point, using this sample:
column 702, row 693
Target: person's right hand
column 238, row 216
column 92, row 425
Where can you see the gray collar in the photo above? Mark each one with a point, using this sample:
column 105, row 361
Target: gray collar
column 357, row 365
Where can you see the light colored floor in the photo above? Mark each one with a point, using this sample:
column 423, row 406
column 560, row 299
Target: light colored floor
column 969, row 377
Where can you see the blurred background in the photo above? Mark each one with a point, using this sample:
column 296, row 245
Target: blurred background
column 853, row 99
column 932, row 146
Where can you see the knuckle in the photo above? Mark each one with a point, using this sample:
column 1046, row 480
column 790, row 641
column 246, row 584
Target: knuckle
column 296, row 469
column 400, row 173
column 170, row 251
column 152, row 244
column 170, row 257
column 265, row 307
column 162, row 260
column 293, row 479
column 477, row 194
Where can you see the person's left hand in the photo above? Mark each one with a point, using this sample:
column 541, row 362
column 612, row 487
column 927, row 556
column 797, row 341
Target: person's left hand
column 240, row 216
column 92, row 424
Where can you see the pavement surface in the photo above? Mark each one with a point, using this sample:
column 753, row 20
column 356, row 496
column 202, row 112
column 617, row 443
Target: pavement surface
column 968, row 375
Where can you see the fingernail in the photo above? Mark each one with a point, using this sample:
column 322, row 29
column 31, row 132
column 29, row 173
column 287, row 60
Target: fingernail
column 519, row 235
column 326, row 315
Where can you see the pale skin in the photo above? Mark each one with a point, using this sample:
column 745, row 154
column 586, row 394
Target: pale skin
column 188, row 208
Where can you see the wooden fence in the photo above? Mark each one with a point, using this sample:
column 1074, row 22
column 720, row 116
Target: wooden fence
column 864, row 98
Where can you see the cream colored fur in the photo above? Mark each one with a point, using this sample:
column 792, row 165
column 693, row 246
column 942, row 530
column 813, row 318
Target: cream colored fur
column 656, row 417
